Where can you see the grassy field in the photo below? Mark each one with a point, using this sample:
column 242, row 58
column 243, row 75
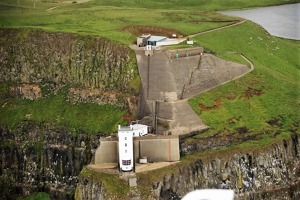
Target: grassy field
column 154, row 4
column 266, row 100
column 102, row 19
column 55, row 109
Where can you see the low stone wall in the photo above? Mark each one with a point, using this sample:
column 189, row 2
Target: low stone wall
column 179, row 53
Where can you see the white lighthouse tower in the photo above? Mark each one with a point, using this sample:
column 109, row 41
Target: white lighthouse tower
column 125, row 135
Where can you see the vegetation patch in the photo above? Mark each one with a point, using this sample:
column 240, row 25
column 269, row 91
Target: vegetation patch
column 250, row 92
column 275, row 122
column 231, row 96
column 98, row 19
column 217, row 105
column 56, row 109
column 271, row 89
column 112, row 183
column 36, row 196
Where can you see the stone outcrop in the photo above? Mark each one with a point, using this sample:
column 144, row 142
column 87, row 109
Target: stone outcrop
column 26, row 91
column 101, row 97
column 217, row 140
column 43, row 158
column 88, row 189
column 35, row 56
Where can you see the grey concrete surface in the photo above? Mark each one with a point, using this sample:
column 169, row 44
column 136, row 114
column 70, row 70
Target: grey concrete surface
column 212, row 72
column 159, row 149
column 185, row 120
column 107, row 152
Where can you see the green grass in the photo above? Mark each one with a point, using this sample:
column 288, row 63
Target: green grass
column 36, row 196
column 276, row 74
column 93, row 18
column 113, row 185
column 107, row 18
column 194, row 4
column 55, row 109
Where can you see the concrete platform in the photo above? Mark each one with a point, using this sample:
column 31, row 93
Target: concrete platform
column 139, row 168
column 112, row 168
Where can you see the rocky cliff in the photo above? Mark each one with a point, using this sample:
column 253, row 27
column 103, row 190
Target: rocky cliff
column 34, row 56
column 43, row 158
column 253, row 174
column 49, row 157
column 269, row 173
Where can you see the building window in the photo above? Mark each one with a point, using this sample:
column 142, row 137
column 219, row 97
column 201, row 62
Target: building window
column 125, row 144
column 125, row 138
column 125, row 150
column 126, row 162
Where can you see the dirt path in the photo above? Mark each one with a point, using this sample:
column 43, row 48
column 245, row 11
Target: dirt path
column 67, row 3
column 216, row 29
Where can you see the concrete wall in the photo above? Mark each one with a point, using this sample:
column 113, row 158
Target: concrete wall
column 155, row 148
column 185, row 52
column 107, row 152
column 158, row 149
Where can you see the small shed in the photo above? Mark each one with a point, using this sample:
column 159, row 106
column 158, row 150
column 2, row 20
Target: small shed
column 141, row 41
column 156, row 40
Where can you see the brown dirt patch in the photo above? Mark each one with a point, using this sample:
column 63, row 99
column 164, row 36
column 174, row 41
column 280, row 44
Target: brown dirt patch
column 139, row 30
column 242, row 130
column 250, row 92
column 26, row 91
column 218, row 104
column 275, row 121
column 231, row 96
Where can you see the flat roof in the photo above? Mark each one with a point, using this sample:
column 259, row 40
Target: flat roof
column 154, row 38
column 132, row 127
column 145, row 36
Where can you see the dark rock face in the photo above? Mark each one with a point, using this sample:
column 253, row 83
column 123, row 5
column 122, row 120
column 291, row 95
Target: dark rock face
column 89, row 189
column 214, row 141
column 43, row 158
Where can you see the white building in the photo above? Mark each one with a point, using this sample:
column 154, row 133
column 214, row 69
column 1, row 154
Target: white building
column 125, row 135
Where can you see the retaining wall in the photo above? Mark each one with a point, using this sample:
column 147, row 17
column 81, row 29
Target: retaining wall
column 179, row 53
column 155, row 148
